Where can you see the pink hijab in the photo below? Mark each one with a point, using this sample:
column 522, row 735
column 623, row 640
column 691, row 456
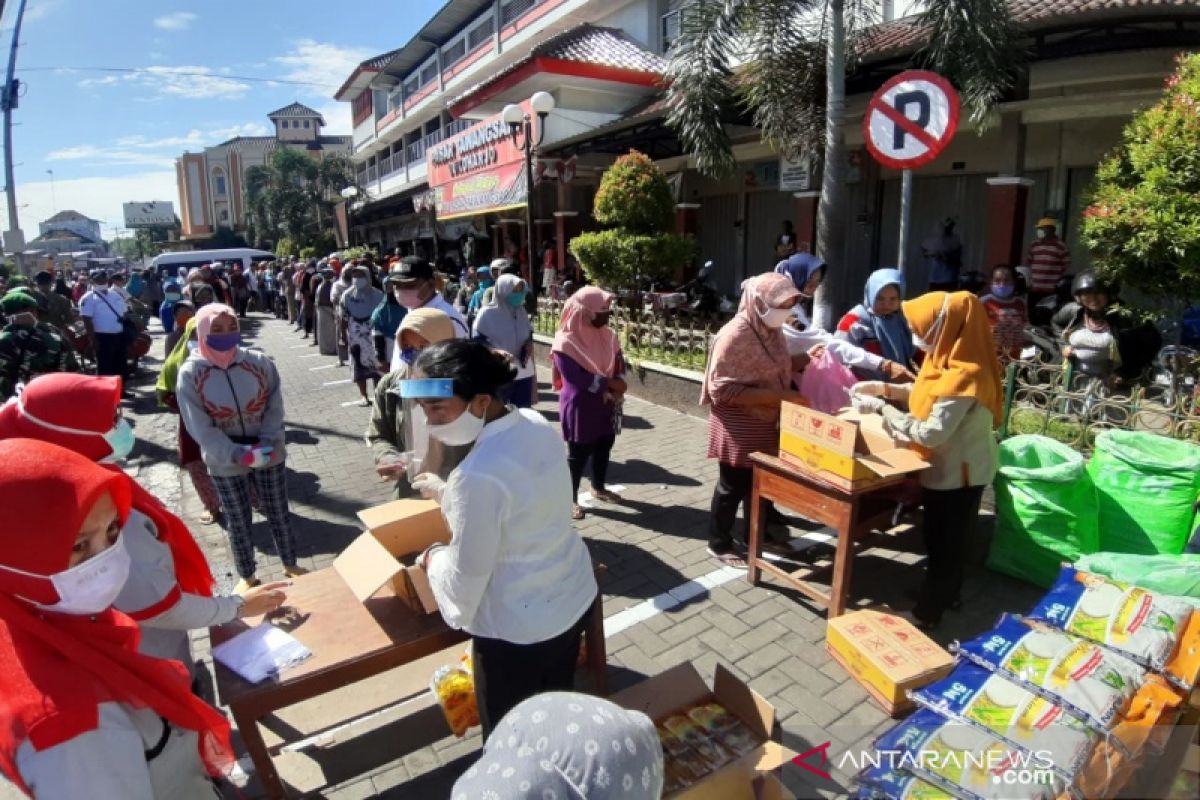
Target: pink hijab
column 595, row 349
column 204, row 320
column 746, row 352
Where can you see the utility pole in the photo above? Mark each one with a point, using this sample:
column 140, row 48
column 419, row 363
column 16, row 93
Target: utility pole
column 14, row 239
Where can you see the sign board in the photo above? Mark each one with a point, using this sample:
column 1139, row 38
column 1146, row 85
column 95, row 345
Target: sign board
column 911, row 119
column 794, row 176
column 477, row 171
column 149, row 215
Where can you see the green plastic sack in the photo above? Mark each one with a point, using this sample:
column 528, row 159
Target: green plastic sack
column 1045, row 509
column 1147, row 486
column 1177, row 575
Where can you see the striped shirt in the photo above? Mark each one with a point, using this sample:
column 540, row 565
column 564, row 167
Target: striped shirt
column 1048, row 259
column 734, row 433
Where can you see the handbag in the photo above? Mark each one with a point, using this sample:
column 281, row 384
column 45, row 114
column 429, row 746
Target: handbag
column 129, row 331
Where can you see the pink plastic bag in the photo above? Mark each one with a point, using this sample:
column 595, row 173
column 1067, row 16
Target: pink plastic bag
column 826, row 384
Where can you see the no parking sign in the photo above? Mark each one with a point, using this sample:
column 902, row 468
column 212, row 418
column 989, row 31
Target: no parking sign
column 911, row 119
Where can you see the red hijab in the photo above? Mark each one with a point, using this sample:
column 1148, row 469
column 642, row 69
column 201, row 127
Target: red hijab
column 88, row 403
column 56, row 669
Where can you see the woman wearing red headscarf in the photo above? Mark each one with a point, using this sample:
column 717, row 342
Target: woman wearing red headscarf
column 85, row 714
column 589, row 376
column 170, row 587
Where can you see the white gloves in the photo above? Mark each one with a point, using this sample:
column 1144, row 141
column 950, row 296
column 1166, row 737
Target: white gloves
column 430, row 486
column 867, row 405
column 869, row 389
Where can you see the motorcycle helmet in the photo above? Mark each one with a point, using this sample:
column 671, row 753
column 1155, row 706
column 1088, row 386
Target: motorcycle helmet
column 1089, row 283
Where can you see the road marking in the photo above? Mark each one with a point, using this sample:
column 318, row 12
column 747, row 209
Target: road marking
column 312, row 355
column 338, row 383
column 323, row 366
column 297, row 346
column 669, row 599
column 352, row 403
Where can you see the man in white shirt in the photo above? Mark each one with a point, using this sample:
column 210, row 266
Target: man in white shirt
column 103, row 311
column 415, row 285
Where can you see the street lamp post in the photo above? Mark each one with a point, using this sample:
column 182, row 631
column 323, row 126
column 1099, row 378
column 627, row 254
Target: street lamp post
column 349, row 193
column 521, row 129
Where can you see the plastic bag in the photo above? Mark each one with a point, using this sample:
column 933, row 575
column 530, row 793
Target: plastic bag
column 826, row 384
column 1147, row 486
column 1046, row 509
column 1175, row 575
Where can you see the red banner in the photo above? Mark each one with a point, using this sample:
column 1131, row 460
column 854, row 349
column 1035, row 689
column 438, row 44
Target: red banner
column 491, row 190
column 477, row 171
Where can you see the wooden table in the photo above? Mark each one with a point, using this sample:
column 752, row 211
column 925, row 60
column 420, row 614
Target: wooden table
column 854, row 514
column 350, row 641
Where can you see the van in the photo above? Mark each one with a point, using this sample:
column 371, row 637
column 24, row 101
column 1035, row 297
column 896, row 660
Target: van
column 167, row 264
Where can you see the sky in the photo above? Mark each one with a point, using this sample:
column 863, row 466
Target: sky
column 113, row 137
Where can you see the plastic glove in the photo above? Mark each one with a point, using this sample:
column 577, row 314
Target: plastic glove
column 256, row 457
column 430, row 486
column 867, row 405
column 869, row 389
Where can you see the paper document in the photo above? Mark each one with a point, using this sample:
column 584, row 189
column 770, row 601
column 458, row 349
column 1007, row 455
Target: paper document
column 261, row 652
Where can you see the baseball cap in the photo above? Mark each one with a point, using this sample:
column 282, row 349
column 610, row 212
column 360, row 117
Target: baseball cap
column 410, row 270
column 1047, row 222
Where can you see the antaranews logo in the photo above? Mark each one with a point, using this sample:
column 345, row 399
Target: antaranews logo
column 1006, row 767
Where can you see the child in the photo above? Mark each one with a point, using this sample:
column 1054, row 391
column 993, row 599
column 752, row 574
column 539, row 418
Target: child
column 1006, row 312
column 166, row 312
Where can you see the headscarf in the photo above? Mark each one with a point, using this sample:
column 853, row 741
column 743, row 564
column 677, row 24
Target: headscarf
column 59, row 668
column 895, row 339
column 431, row 324
column 503, row 325
column 204, row 320
column 962, row 361
column 90, row 403
column 568, row 745
column 168, row 376
column 747, row 352
column 800, row 267
column 595, row 349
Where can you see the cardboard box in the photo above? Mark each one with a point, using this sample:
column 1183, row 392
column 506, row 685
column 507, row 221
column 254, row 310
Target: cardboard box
column 394, row 530
column 850, row 450
column 887, row 655
column 682, row 687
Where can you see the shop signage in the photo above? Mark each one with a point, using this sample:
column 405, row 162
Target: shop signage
column 794, row 175
column 484, row 192
column 480, row 170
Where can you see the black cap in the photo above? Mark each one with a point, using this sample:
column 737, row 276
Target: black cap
column 410, row 270
column 99, row 275
column 43, row 276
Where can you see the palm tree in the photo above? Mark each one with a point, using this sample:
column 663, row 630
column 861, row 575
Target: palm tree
column 785, row 62
column 292, row 195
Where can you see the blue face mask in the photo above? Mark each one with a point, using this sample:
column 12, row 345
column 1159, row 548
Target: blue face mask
column 224, row 342
column 121, row 440
column 173, row 297
column 409, row 355
column 487, row 283
column 1003, row 291
column 516, row 299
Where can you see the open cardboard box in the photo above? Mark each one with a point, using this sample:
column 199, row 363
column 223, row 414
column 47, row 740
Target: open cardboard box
column 682, row 687
column 850, row 450
column 394, row 530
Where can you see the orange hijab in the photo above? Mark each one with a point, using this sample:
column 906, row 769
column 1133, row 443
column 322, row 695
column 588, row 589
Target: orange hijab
column 962, row 361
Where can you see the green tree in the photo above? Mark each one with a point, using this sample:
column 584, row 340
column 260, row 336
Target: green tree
column 634, row 201
column 294, row 195
column 1143, row 221
column 785, row 62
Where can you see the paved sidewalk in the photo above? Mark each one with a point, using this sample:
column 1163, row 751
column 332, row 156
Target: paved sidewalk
column 653, row 545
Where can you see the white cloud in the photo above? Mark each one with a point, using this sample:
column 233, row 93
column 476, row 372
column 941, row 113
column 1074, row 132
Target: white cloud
column 99, row 198
column 114, row 156
column 337, row 119
column 323, row 64
column 139, row 151
column 178, row 21
column 195, row 138
column 196, row 83
column 41, row 9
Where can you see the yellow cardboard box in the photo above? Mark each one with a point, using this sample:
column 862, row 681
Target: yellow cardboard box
column 886, row 655
column 849, row 450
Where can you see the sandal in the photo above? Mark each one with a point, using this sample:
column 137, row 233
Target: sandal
column 605, row 496
column 729, row 559
column 208, row 518
column 364, row 403
column 577, row 512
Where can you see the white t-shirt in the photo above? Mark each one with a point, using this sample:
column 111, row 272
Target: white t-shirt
column 105, row 308
column 515, row 568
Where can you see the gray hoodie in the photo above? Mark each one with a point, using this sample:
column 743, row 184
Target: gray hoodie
column 218, row 405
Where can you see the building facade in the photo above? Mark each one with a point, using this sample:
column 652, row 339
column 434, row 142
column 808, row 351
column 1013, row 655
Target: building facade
column 211, row 182
column 73, row 222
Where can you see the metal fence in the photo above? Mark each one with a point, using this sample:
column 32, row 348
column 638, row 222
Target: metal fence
column 645, row 335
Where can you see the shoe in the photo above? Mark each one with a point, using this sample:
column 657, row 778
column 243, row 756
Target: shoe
column 246, row 584
column 208, row 518
column 777, row 530
column 294, row 571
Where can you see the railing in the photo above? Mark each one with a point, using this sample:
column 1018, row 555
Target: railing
column 362, row 176
column 517, row 9
column 388, row 165
column 1048, row 400
column 372, row 174
column 645, row 335
column 430, row 139
column 416, row 151
column 458, row 126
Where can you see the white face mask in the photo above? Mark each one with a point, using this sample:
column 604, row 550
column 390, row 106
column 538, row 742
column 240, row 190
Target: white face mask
column 89, row 587
column 775, row 317
column 119, row 438
column 462, row 431
column 930, row 341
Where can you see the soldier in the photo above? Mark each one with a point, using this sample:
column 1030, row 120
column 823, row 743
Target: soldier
column 59, row 311
column 29, row 348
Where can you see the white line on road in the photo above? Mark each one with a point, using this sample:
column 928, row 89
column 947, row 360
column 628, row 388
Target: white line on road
column 297, row 346
column 312, row 355
column 669, row 599
column 323, row 366
column 342, row 382
column 352, row 403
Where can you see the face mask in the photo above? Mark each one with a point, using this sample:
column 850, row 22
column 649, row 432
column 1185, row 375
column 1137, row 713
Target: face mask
column 24, row 318
column 486, row 283
column 934, row 330
column 1003, row 291
column 361, row 283
column 92, row 586
column 173, row 297
column 516, row 299
column 409, row 355
column 600, row 320
column 775, row 317
column 1041, row 234
column 119, row 438
column 223, row 342
column 409, row 298
column 462, row 431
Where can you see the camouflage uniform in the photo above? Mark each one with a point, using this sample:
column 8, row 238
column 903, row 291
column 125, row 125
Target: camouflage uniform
column 60, row 312
column 27, row 351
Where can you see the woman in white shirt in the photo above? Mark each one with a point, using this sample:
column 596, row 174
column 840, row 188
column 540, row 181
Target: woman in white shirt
column 516, row 575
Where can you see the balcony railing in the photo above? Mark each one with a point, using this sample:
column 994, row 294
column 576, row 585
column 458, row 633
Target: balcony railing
column 416, row 151
column 372, row 174
column 458, row 126
column 388, row 165
column 362, row 176
column 430, row 139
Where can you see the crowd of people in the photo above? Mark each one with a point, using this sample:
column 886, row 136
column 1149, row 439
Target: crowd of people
column 99, row 582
